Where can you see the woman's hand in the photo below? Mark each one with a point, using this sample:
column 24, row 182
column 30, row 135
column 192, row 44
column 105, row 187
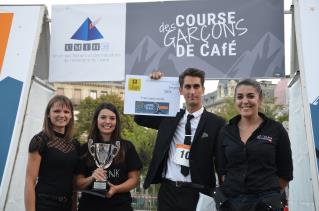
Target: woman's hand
column 112, row 191
column 99, row 174
column 282, row 183
column 129, row 184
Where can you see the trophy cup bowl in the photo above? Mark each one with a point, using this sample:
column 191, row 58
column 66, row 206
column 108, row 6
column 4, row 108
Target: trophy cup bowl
column 103, row 154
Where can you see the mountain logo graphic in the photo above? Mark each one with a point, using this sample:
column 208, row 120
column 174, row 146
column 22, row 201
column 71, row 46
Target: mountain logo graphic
column 87, row 31
column 6, row 21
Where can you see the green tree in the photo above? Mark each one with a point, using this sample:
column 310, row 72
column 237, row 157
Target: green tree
column 227, row 110
column 143, row 139
column 278, row 112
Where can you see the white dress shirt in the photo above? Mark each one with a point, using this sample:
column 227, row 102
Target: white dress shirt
column 173, row 170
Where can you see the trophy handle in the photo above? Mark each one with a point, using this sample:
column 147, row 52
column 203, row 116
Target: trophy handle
column 91, row 147
column 113, row 153
column 116, row 149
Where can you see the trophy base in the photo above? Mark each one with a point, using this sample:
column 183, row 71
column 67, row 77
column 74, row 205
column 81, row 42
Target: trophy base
column 94, row 192
column 101, row 186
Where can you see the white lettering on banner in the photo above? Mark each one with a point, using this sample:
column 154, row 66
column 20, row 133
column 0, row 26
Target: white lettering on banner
column 204, row 32
column 206, row 19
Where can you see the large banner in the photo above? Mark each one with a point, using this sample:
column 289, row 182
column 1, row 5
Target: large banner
column 226, row 38
column 6, row 22
column 305, row 15
column 314, row 109
column 19, row 35
column 301, row 190
column 9, row 82
column 37, row 100
column 87, row 43
column 308, row 50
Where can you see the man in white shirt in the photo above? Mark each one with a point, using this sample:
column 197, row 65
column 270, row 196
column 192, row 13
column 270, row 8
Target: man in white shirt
column 185, row 150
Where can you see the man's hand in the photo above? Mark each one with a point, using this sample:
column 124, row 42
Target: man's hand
column 156, row 75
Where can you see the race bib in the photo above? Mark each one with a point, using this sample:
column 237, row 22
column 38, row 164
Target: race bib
column 182, row 154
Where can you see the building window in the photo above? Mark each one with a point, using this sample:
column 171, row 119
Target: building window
column 60, row 91
column 104, row 93
column 93, row 94
column 77, row 96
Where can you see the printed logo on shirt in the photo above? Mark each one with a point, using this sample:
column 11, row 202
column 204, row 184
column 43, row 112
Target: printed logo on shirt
column 114, row 173
column 265, row 138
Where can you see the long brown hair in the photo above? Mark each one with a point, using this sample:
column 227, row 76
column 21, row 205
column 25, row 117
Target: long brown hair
column 47, row 124
column 94, row 132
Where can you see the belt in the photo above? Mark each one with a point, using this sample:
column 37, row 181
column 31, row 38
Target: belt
column 61, row 199
column 180, row 184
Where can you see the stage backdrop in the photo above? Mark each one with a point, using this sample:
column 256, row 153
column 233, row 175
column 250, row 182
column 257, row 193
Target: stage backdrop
column 226, row 38
column 309, row 63
column 20, row 29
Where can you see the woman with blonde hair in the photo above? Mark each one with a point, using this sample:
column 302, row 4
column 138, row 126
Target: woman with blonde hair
column 52, row 160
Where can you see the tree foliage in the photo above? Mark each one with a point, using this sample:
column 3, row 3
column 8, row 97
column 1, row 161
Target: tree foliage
column 142, row 138
column 227, row 110
column 276, row 112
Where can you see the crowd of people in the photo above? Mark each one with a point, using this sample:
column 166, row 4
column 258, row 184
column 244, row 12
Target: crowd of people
column 244, row 164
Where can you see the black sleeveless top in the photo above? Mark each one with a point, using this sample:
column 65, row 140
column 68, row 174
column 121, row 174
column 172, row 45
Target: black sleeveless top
column 59, row 160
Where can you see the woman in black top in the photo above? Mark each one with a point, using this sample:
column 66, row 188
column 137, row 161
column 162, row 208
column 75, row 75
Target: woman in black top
column 52, row 160
column 255, row 156
column 122, row 175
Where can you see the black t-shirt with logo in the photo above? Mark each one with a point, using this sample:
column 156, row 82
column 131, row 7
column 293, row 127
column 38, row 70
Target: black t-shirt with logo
column 117, row 173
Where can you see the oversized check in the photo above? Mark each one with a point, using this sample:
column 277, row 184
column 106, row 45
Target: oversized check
column 144, row 96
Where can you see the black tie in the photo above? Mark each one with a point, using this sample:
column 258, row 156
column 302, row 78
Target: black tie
column 187, row 141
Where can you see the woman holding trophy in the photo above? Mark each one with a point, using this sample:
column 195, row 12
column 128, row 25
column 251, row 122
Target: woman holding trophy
column 52, row 160
column 110, row 166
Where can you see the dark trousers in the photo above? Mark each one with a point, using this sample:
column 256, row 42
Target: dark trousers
column 268, row 201
column 171, row 198
column 92, row 207
column 47, row 202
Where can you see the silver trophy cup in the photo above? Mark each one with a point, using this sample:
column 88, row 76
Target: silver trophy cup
column 103, row 154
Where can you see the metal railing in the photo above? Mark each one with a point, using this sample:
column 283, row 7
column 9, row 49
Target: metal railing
column 144, row 202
